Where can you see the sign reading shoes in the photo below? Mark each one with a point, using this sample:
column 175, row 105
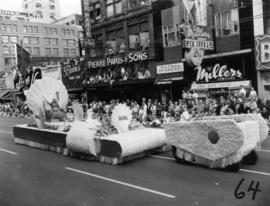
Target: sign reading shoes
column 217, row 73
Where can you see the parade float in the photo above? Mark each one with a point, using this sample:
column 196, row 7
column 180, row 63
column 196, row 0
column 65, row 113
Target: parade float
column 218, row 141
column 115, row 142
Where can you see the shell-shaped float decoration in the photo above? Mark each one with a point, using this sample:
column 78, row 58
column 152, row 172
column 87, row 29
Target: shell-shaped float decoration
column 121, row 118
column 46, row 90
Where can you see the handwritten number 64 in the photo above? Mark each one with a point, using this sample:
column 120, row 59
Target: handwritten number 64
column 239, row 195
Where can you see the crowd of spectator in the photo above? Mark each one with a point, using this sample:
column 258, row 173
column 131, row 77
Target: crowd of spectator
column 12, row 109
column 149, row 110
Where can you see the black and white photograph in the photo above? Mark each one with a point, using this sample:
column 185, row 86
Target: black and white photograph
column 134, row 102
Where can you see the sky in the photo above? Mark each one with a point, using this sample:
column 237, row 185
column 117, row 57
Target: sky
column 67, row 6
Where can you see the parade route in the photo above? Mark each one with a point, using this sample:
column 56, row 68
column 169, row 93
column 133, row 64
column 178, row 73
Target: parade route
column 35, row 177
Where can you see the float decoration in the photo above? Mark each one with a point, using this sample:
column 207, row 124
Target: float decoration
column 217, row 141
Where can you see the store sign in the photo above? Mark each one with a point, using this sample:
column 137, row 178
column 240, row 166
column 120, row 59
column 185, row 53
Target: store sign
column 198, row 37
column 68, row 70
column 170, row 68
column 262, row 52
column 235, row 84
column 132, row 57
column 217, row 73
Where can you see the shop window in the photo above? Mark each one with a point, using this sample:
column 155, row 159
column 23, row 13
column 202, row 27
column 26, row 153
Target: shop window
column 5, row 39
column 48, row 51
column 36, row 51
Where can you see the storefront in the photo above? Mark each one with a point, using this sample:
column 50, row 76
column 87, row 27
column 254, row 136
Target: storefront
column 169, row 80
column 121, row 76
column 223, row 74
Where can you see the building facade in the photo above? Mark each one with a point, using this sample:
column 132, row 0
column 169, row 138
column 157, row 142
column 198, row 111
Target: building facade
column 47, row 10
column 46, row 43
column 123, row 40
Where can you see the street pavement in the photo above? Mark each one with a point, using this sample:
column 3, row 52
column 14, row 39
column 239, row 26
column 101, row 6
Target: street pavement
column 35, row 177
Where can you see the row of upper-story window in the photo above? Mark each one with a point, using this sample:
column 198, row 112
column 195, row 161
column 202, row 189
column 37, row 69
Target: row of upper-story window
column 35, row 51
column 113, row 7
column 36, row 40
column 35, row 30
column 40, row 6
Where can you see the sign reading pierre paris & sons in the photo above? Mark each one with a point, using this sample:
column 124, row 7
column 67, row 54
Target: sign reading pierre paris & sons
column 110, row 61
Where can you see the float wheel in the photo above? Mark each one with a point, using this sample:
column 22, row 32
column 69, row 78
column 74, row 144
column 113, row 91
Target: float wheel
column 251, row 158
column 178, row 160
column 234, row 167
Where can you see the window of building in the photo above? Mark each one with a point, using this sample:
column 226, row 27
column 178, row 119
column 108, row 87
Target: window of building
column 54, row 31
column 109, row 8
column 72, row 22
column 6, row 50
column 13, row 39
column 52, row 1
column 26, row 6
column 3, row 27
column 73, row 52
column 132, row 4
column 227, row 23
column 99, row 49
column 34, row 40
column 49, row 30
column 71, row 42
column 5, row 39
column 55, row 52
column 38, row 5
column 8, row 27
column 66, row 52
column 68, row 32
column 53, row 41
column 35, row 29
column 65, row 42
column 48, row 51
column 45, row 30
column 64, row 32
column 36, row 51
column 52, row 7
column 30, row 29
column 28, row 49
column 118, row 7
column 139, row 35
column 94, row 11
column 72, row 32
column 68, row 23
column 46, row 41
column 14, row 28
column 26, row 39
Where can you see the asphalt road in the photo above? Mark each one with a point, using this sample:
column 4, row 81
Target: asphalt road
column 34, row 177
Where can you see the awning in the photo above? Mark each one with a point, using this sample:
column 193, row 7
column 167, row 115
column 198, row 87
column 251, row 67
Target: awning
column 230, row 85
column 167, row 81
